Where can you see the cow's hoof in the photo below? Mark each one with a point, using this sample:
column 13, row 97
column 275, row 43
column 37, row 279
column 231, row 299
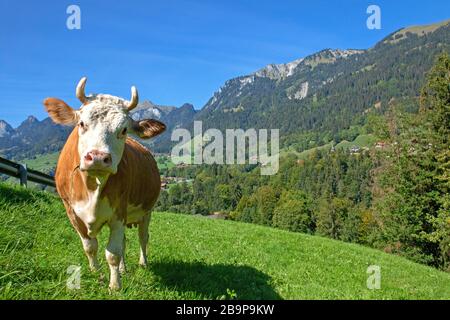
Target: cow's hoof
column 94, row 268
column 94, row 265
column 113, row 287
column 143, row 262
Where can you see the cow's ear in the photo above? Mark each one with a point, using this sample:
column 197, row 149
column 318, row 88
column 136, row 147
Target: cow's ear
column 60, row 112
column 148, row 128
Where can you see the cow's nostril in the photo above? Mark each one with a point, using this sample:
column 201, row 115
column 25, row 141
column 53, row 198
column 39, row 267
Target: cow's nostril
column 88, row 157
column 107, row 160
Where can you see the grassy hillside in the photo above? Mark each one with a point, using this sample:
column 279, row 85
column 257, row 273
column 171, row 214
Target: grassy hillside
column 361, row 141
column 196, row 258
column 42, row 162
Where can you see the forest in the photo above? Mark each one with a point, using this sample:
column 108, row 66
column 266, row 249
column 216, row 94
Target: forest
column 393, row 196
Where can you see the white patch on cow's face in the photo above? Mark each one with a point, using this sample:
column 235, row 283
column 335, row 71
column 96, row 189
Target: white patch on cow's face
column 103, row 125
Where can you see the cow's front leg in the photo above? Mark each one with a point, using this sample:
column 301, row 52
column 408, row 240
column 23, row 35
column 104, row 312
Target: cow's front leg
column 122, row 267
column 90, row 246
column 114, row 251
column 143, row 239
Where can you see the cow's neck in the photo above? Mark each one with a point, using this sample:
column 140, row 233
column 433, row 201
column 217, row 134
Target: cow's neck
column 93, row 209
column 93, row 184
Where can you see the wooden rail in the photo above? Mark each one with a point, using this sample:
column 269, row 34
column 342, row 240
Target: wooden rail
column 24, row 174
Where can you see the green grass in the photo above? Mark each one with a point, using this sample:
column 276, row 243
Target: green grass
column 362, row 141
column 164, row 162
column 195, row 258
column 42, row 162
column 304, row 154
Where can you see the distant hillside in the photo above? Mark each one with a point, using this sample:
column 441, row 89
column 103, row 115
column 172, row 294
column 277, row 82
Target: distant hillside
column 32, row 137
column 416, row 30
column 196, row 258
column 331, row 90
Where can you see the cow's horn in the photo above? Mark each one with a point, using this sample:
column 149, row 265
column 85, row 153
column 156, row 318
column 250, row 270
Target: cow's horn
column 134, row 99
column 80, row 90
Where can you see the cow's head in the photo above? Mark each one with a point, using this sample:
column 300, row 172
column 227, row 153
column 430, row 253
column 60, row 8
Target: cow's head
column 103, row 123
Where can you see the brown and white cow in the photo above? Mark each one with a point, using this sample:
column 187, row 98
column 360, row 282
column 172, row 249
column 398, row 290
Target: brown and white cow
column 103, row 176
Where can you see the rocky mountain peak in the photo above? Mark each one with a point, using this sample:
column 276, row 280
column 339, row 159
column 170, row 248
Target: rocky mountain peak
column 31, row 119
column 187, row 106
column 148, row 109
column 5, row 129
column 285, row 70
column 278, row 71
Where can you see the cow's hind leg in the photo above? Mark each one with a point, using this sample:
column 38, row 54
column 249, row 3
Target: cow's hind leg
column 143, row 239
column 114, row 251
column 122, row 267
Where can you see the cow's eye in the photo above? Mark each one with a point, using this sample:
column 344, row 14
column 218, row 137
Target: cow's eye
column 81, row 124
column 123, row 132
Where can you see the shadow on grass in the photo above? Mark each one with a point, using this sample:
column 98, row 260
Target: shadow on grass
column 14, row 195
column 17, row 195
column 212, row 281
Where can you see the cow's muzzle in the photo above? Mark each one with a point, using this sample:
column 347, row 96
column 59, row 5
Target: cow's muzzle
column 96, row 160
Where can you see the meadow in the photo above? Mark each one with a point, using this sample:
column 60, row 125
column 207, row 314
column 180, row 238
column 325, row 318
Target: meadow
column 194, row 257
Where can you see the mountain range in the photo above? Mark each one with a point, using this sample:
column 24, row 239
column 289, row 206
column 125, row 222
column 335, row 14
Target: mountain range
column 33, row 137
column 319, row 97
column 330, row 91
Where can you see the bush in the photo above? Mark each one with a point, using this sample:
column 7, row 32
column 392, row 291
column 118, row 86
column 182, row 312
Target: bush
column 294, row 213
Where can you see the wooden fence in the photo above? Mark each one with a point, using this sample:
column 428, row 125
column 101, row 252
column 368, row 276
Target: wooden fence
column 24, row 174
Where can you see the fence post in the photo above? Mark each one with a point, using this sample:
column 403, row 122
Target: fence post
column 23, row 176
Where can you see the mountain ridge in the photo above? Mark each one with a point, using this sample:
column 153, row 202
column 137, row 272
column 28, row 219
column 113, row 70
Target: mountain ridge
column 327, row 95
column 323, row 93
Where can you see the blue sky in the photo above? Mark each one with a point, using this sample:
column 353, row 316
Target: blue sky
column 174, row 51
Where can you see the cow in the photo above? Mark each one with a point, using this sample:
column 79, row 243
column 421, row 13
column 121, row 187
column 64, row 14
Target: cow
column 103, row 176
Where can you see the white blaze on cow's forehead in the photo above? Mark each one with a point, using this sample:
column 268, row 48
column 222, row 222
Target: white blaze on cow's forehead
column 108, row 99
column 106, row 109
